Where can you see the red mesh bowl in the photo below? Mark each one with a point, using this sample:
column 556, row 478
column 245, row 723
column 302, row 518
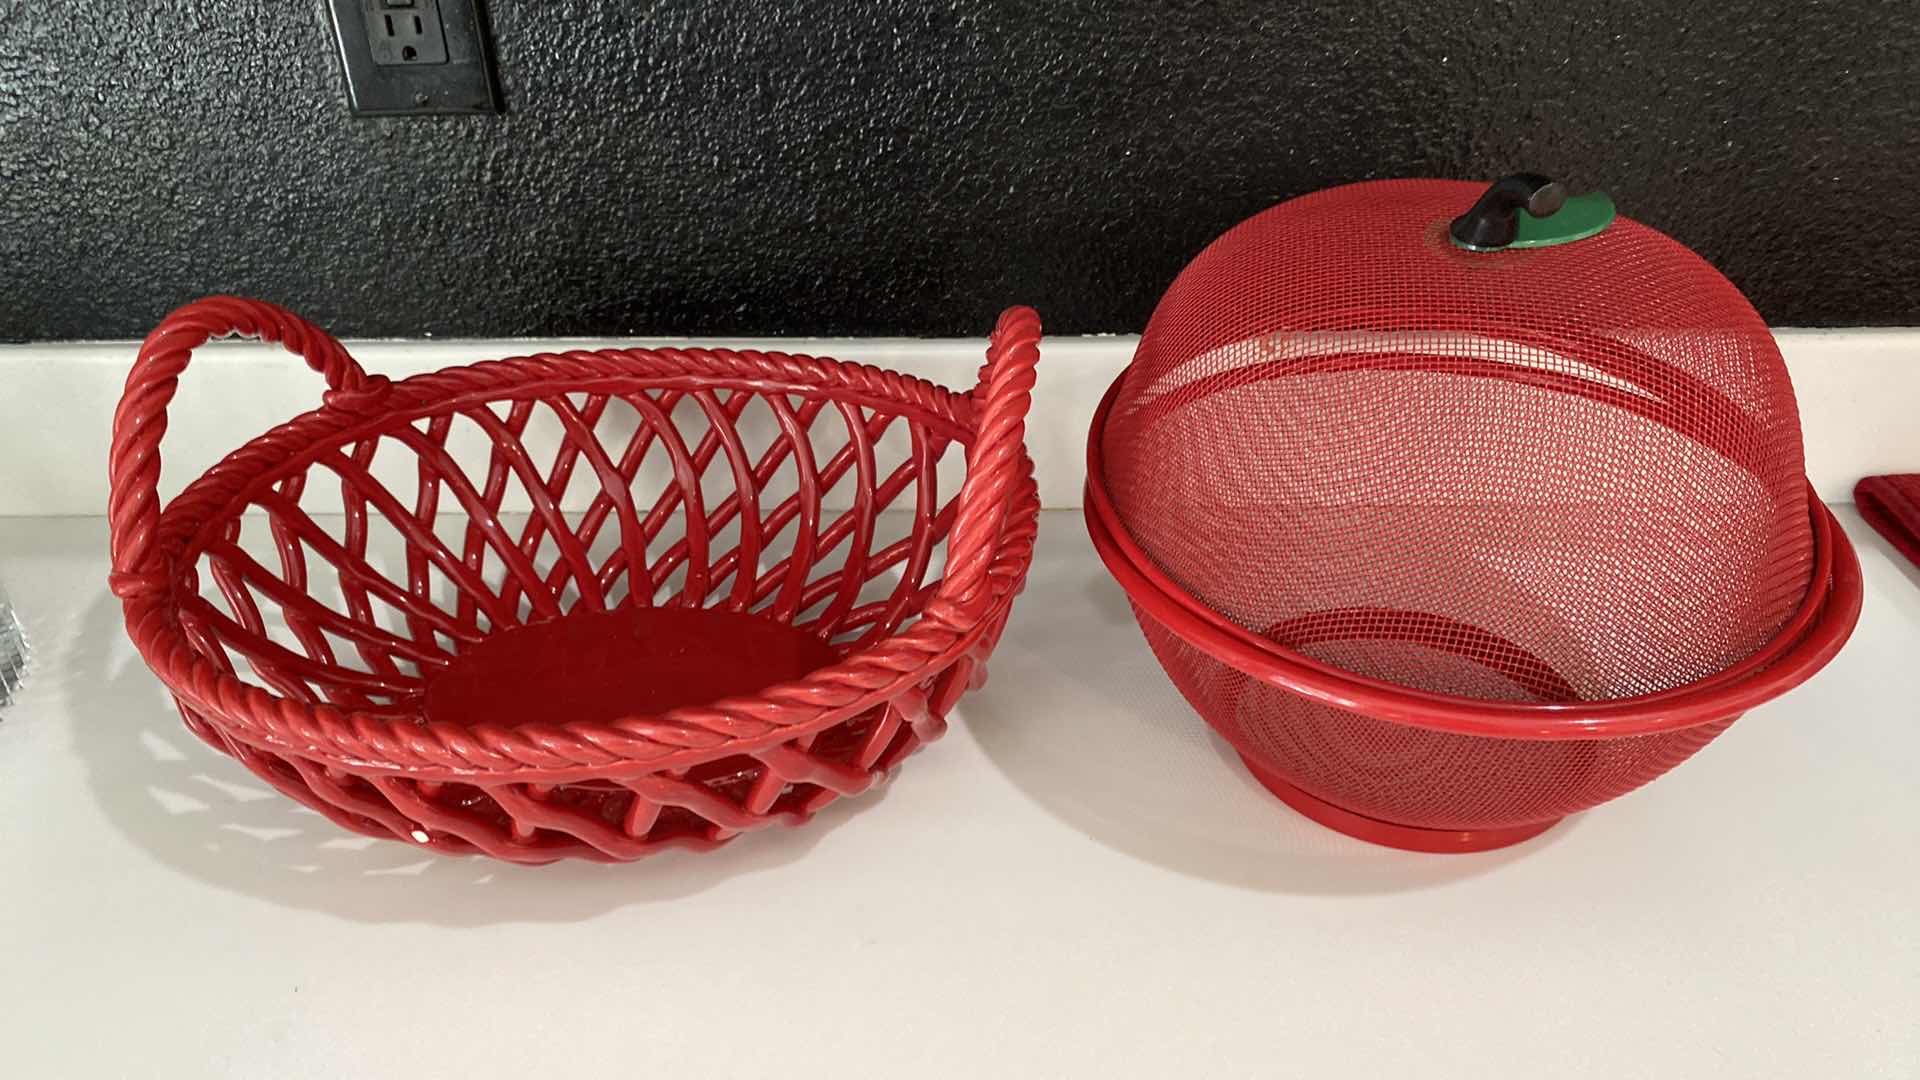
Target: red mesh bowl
column 581, row 605
column 1451, row 544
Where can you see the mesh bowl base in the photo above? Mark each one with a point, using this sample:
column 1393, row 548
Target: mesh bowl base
column 1387, row 833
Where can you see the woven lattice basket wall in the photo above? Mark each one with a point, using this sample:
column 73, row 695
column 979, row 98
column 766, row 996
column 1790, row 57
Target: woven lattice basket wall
column 588, row 604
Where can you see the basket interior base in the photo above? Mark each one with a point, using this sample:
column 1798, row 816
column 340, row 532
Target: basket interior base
column 635, row 661
column 1387, row 833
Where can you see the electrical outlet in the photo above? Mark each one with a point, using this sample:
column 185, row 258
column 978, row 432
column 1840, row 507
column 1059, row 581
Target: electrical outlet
column 412, row 57
column 405, row 31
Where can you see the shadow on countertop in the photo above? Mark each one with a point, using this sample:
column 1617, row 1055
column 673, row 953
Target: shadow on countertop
column 1098, row 736
column 1078, row 715
column 205, row 815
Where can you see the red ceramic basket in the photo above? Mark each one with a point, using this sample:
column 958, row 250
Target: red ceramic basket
column 1457, row 517
column 579, row 605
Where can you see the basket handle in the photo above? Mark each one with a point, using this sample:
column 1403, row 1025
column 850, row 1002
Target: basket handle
column 140, row 420
column 1001, row 400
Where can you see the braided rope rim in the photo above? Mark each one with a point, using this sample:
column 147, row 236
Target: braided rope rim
column 989, row 547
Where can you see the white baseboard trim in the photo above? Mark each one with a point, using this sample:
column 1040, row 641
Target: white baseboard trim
column 1859, row 393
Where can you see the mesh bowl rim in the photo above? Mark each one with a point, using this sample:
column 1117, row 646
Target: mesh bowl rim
column 1812, row 637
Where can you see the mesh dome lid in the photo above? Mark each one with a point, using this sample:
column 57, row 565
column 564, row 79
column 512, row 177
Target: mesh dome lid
column 1578, row 456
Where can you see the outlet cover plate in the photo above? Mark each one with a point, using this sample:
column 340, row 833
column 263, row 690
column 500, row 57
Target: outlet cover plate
column 394, row 69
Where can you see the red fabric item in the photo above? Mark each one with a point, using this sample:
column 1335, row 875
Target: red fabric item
column 1891, row 504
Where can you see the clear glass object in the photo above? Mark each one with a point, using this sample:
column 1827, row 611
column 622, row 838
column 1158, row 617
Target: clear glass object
column 13, row 651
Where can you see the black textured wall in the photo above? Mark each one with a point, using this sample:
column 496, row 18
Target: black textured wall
column 830, row 166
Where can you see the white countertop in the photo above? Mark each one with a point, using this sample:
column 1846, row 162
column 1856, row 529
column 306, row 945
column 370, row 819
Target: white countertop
column 1077, row 881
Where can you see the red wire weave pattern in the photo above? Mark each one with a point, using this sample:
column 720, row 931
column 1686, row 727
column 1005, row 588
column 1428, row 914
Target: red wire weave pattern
column 1417, row 776
column 1565, row 474
column 482, row 499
